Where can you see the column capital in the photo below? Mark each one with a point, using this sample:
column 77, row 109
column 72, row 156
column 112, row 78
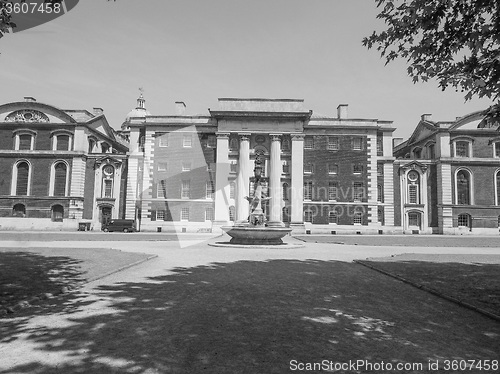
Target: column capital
column 275, row 137
column 297, row 137
column 222, row 135
column 244, row 135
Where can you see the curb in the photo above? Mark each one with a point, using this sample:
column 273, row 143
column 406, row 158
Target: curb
column 432, row 291
column 4, row 310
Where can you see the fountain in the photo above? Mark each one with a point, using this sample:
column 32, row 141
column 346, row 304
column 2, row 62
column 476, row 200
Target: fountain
column 255, row 231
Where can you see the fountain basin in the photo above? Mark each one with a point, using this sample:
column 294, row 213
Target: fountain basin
column 256, row 235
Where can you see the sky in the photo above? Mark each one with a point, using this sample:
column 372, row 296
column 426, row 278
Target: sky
column 100, row 53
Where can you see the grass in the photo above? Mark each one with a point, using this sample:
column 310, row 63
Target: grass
column 33, row 272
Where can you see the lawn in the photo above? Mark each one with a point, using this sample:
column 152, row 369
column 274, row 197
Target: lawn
column 36, row 272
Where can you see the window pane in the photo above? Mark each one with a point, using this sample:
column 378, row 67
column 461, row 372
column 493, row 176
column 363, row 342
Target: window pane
column 185, row 214
column 160, row 215
column 357, row 144
column 462, row 149
column 463, row 188
column 413, row 194
column 333, row 143
column 22, row 179
column 25, row 142
column 332, row 190
column 108, row 188
column 209, row 214
column 60, row 179
column 185, row 192
column 62, row 142
column 464, row 220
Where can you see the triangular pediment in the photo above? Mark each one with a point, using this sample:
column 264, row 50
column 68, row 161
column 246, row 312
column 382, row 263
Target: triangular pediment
column 414, row 165
column 423, row 130
column 101, row 126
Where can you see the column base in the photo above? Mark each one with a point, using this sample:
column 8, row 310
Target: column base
column 275, row 224
column 298, row 228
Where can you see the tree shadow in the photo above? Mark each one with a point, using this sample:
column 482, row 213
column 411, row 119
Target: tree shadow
column 24, row 275
column 249, row 317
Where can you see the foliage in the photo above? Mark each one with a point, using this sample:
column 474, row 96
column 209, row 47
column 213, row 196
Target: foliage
column 453, row 41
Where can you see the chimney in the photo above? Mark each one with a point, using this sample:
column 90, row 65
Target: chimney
column 342, row 111
column 98, row 111
column 29, row 99
column 180, row 108
column 396, row 142
column 426, row 117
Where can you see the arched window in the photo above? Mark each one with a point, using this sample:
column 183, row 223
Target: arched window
column 108, row 172
column 19, row 210
column 413, row 182
column 232, row 213
column 285, row 145
column 497, row 187
column 464, row 220
column 21, row 179
column 57, row 213
column 24, row 139
column 463, row 187
column 285, row 191
column 59, row 179
column 233, row 144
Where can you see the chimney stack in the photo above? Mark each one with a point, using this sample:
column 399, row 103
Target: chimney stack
column 426, row 117
column 180, row 108
column 98, row 111
column 342, row 111
column 29, row 99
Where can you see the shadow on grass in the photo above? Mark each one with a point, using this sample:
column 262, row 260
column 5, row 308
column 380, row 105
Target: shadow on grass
column 251, row 317
column 476, row 284
column 24, row 275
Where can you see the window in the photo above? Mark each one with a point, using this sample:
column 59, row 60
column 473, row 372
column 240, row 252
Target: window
column 463, row 187
column 496, row 148
column 308, row 142
column 358, row 191
column 92, row 144
column 308, row 168
column 210, row 190
column 104, row 148
column 285, row 145
column 21, row 177
column 357, row 169
column 333, row 143
column 357, row 144
column 413, row 194
column 59, row 179
column 233, row 144
column 233, row 166
column 380, row 147
column 161, row 189
column 160, row 215
column 380, row 193
column 209, row 214
column 308, row 216
column 61, row 142
column 185, row 189
column 497, row 185
column 357, row 219
column 24, row 140
column 285, row 191
column 186, row 166
column 162, row 166
column 498, row 221
column 333, row 169
column 108, row 172
column 462, row 148
column 211, row 141
column 417, row 153
column 57, row 213
column 380, row 215
column 464, row 220
column 19, row 210
column 333, row 216
column 414, row 219
column 187, row 141
column 232, row 190
column 164, row 140
column 308, row 190
column 380, row 170
column 286, row 167
column 431, row 151
column 184, row 214
column 232, row 213
column 413, row 182
column 332, row 191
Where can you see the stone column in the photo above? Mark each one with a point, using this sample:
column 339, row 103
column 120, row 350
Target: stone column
column 274, row 182
column 297, row 187
column 221, row 182
column 242, row 180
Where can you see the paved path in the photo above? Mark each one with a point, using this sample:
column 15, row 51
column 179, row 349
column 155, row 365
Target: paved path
column 58, row 338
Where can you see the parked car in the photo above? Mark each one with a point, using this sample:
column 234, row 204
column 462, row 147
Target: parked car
column 125, row 225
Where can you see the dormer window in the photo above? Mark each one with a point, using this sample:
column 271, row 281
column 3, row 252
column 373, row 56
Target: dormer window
column 462, row 148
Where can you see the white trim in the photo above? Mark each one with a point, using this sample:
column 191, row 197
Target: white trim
column 53, row 176
column 13, row 185
column 495, row 192
column 465, row 140
column 471, row 187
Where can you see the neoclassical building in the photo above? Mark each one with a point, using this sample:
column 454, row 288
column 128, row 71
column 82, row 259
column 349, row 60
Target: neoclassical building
column 449, row 177
column 191, row 173
column 60, row 168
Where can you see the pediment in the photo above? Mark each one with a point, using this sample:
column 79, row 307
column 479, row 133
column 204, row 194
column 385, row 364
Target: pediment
column 424, row 130
column 107, row 160
column 32, row 113
column 413, row 165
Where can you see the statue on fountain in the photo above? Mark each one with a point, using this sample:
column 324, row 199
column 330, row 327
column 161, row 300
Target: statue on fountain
column 257, row 216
